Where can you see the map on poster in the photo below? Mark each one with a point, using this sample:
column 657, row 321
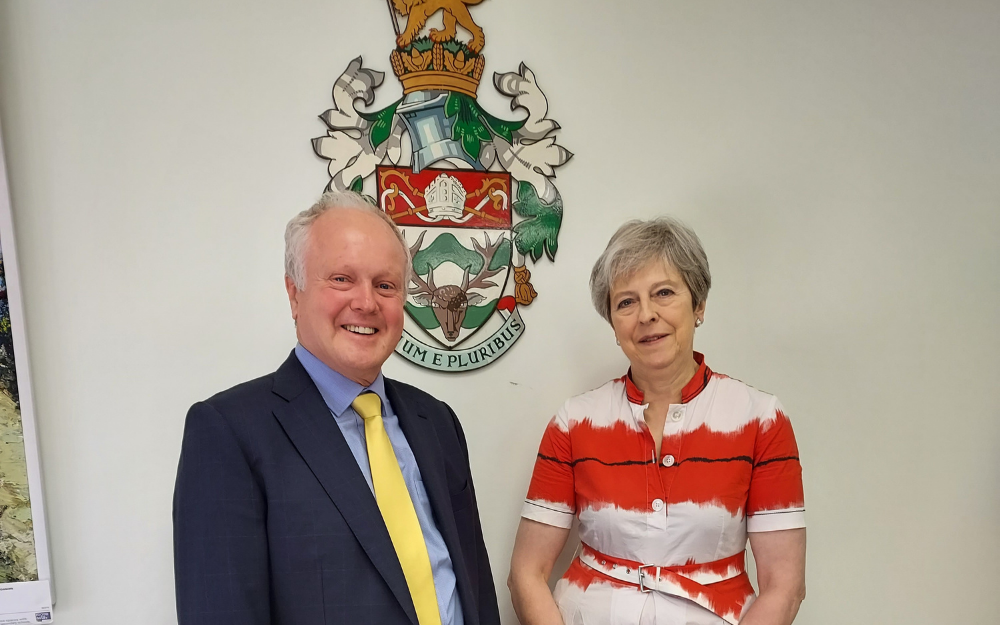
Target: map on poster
column 17, row 537
column 25, row 581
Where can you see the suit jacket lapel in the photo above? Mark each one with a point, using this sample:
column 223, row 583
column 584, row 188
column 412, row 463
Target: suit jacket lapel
column 307, row 421
column 427, row 450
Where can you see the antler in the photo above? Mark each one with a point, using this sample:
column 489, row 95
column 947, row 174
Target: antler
column 416, row 246
column 480, row 281
column 422, row 287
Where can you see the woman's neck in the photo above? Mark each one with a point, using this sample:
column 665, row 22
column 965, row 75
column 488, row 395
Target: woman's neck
column 665, row 385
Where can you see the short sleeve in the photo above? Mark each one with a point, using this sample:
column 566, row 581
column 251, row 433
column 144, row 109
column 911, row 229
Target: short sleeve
column 551, row 496
column 775, row 501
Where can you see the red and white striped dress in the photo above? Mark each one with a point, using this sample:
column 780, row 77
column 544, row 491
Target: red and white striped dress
column 728, row 465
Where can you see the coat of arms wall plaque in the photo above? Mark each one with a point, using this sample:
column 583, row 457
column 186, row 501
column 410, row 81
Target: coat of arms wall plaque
column 472, row 192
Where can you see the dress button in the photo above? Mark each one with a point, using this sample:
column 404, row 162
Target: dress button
column 657, row 505
column 676, row 415
column 668, row 460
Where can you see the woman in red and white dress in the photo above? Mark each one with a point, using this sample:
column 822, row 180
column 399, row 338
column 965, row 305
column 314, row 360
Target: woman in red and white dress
column 669, row 468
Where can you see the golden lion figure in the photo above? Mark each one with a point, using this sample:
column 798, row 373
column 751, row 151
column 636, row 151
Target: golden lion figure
column 455, row 11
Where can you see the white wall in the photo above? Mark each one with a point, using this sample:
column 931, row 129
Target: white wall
column 840, row 160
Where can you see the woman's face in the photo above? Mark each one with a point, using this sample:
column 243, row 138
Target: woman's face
column 653, row 318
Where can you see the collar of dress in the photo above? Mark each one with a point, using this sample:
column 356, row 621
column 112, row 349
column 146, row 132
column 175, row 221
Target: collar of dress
column 691, row 390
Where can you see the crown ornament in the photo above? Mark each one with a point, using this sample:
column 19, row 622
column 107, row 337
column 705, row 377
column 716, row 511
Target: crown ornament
column 426, row 65
column 437, row 61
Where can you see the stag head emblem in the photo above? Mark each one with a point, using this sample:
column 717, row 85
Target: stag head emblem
column 450, row 302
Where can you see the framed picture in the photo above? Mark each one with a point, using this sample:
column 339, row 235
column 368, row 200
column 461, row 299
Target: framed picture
column 25, row 571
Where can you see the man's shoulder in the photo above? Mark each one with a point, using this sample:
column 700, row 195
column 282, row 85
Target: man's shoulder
column 286, row 382
column 243, row 410
column 408, row 399
column 422, row 402
column 249, row 391
column 416, row 398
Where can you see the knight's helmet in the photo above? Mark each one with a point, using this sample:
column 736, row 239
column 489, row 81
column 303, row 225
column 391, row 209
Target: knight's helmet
column 429, row 76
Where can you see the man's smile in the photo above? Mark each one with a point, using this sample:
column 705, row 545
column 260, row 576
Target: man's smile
column 360, row 329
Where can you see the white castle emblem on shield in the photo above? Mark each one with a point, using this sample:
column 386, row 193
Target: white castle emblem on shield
column 445, row 198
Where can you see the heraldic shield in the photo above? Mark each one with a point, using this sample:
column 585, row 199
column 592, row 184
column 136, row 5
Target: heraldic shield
column 458, row 225
column 474, row 194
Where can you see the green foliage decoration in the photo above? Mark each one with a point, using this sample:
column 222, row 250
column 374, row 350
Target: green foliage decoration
column 501, row 127
column 423, row 44
column 468, row 128
column 381, row 123
column 539, row 231
column 473, row 125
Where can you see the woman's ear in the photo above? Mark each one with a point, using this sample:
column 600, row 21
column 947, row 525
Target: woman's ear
column 699, row 312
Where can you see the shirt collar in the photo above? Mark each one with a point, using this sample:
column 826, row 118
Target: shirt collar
column 337, row 390
column 691, row 390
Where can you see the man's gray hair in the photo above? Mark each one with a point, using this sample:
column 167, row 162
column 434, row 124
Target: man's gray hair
column 297, row 232
column 636, row 244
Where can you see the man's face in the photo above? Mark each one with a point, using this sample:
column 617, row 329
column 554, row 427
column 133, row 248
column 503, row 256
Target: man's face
column 350, row 313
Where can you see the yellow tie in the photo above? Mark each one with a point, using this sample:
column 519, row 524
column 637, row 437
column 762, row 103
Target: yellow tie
column 397, row 511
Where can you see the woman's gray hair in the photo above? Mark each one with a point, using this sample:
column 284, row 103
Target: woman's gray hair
column 297, row 232
column 636, row 244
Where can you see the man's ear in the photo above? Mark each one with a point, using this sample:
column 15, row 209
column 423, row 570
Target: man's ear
column 293, row 297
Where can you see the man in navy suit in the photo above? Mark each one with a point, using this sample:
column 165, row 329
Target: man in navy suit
column 275, row 517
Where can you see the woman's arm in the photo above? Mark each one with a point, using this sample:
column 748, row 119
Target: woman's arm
column 536, row 548
column 781, row 575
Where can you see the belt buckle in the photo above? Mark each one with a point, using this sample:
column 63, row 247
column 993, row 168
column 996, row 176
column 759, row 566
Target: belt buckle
column 642, row 586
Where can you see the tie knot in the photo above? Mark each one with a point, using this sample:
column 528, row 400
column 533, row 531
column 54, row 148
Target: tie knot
column 367, row 405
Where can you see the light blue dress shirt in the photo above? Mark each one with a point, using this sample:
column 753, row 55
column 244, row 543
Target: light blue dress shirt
column 338, row 392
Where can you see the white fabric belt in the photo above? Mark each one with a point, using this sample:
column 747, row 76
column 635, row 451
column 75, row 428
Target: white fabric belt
column 646, row 577
column 652, row 578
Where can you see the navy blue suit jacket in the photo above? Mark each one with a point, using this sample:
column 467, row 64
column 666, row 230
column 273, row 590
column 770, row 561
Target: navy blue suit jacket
column 274, row 523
